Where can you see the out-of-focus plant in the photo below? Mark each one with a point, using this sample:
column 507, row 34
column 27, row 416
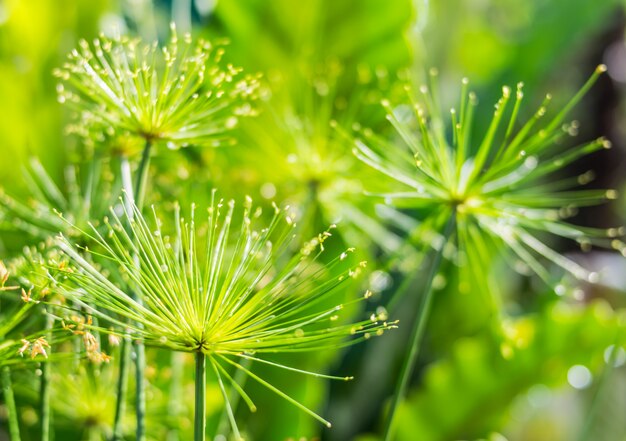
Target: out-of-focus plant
column 233, row 297
column 313, row 168
column 545, row 346
column 22, row 338
column 87, row 195
column 490, row 194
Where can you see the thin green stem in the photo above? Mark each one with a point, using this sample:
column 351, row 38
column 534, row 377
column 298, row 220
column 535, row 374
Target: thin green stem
column 140, row 352
column 419, row 326
column 234, row 398
column 44, row 391
column 142, row 176
column 199, row 423
column 122, row 388
column 136, row 196
column 94, row 433
column 125, row 352
column 9, row 402
column 176, row 389
column 140, row 398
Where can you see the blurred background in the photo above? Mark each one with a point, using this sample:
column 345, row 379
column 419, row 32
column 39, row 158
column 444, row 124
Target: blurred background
column 335, row 60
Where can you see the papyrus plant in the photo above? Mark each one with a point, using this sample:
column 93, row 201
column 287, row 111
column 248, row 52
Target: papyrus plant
column 228, row 289
column 500, row 193
column 27, row 334
column 131, row 96
column 180, row 94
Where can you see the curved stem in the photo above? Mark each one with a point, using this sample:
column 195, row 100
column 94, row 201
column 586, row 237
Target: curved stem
column 199, row 422
column 9, row 402
column 240, row 378
column 419, row 326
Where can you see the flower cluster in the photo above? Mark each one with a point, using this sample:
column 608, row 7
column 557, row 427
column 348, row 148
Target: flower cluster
column 180, row 94
column 495, row 188
column 236, row 296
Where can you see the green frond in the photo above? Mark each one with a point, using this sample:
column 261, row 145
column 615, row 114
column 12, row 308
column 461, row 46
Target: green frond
column 87, row 194
column 229, row 287
column 497, row 188
column 179, row 94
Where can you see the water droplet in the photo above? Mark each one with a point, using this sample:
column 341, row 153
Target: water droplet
column 579, row 377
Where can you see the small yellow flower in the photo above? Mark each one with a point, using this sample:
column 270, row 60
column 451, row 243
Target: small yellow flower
column 27, row 296
column 114, row 340
column 24, row 347
column 90, row 341
column 37, row 347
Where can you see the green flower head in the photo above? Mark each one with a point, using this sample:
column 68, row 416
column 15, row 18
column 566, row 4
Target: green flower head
column 231, row 290
column 179, row 94
column 496, row 189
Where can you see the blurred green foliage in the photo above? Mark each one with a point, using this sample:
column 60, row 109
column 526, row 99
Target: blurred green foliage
column 486, row 373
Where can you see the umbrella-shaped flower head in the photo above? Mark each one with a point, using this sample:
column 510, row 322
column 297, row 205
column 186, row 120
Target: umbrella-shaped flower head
column 180, row 94
column 230, row 289
column 503, row 188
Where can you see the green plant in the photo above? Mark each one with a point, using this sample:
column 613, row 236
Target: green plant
column 235, row 296
column 133, row 295
column 489, row 197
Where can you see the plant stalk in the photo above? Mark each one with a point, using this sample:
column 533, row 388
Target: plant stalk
column 44, row 391
column 176, row 390
column 125, row 349
column 142, row 176
column 140, row 397
column 200, row 409
column 419, row 326
column 122, row 388
column 134, row 195
column 9, row 402
column 140, row 351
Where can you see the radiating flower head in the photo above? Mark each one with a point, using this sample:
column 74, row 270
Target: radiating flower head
column 179, row 94
column 236, row 293
column 499, row 189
